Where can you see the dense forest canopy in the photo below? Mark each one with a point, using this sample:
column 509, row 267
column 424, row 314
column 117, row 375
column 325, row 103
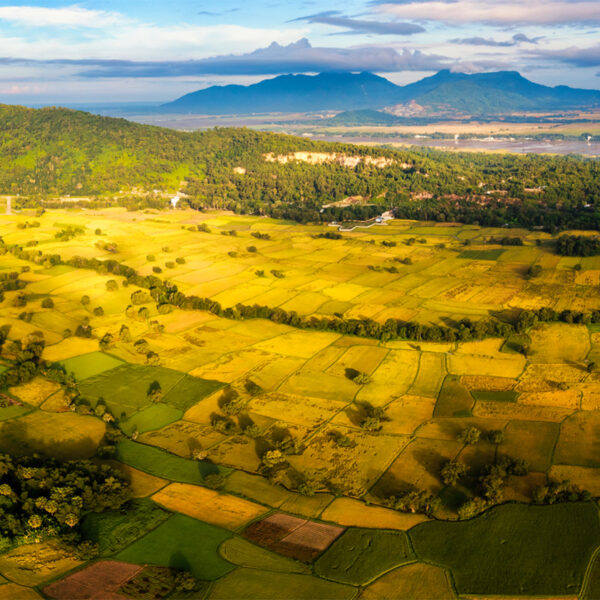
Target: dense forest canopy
column 59, row 151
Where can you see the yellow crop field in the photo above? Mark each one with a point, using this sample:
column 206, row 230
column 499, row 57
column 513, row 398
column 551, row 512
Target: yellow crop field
column 392, row 378
column 69, row 347
column 35, row 391
column 301, row 344
column 61, row 435
column 570, row 399
column 232, row 366
column 299, row 410
column 353, row 513
column 208, row 505
column 417, row 466
column 10, row 591
column 494, row 366
column 355, row 467
column 407, row 413
column 432, row 370
column 551, row 343
column 320, row 385
column 33, row 564
column 518, row 411
column 364, row 359
column 418, row 581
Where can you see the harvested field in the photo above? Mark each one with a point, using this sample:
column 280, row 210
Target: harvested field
column 103, row 578
column 306, row 542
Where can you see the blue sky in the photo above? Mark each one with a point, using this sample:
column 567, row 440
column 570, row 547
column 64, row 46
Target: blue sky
column 56, row 51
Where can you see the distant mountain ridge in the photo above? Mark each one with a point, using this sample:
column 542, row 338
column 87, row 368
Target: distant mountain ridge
column 481, row 93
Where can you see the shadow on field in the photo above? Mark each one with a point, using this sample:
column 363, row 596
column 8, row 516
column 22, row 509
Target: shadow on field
column 351, row 374
column 391, row 485
column 179, row 561
column 16, row 439
column 431, row 460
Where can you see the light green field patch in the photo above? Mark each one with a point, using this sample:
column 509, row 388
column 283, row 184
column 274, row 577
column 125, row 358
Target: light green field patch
column 174, row 544
column 159, row 463
column 88, row 365
column 150, row 418
column 241, row 552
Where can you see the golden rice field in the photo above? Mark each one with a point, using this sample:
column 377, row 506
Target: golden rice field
column 293, row 390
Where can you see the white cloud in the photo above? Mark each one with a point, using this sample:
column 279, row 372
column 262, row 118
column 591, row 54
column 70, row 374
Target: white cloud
column 70, row 16
column 499, row 12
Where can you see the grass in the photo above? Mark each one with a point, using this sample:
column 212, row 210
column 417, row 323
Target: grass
column 495, row 396
column 190, row 390
column 13, row 412
column 360, row 555
column 125, row 388
column 88, row 365
column 182, row 543
column 241, row 552
column 514, row 549
column 249, row 584
column 162, row 464
column 151, row 418
column 481, row 254
column 592, row 585
column 115, row 530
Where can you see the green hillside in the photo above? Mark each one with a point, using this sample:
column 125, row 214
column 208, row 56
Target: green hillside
column 57, row 151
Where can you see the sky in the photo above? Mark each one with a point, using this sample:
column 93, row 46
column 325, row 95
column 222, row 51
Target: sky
column 115, row 51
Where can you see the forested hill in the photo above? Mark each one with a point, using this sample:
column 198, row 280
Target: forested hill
column 58, row 151
column 480, row 93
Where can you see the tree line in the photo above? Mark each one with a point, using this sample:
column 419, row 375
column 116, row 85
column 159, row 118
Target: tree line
column 166, row 294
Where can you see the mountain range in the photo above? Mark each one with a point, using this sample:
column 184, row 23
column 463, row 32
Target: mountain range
column 482, row 93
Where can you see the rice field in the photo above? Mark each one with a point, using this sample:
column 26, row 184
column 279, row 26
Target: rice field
column 261, row 439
